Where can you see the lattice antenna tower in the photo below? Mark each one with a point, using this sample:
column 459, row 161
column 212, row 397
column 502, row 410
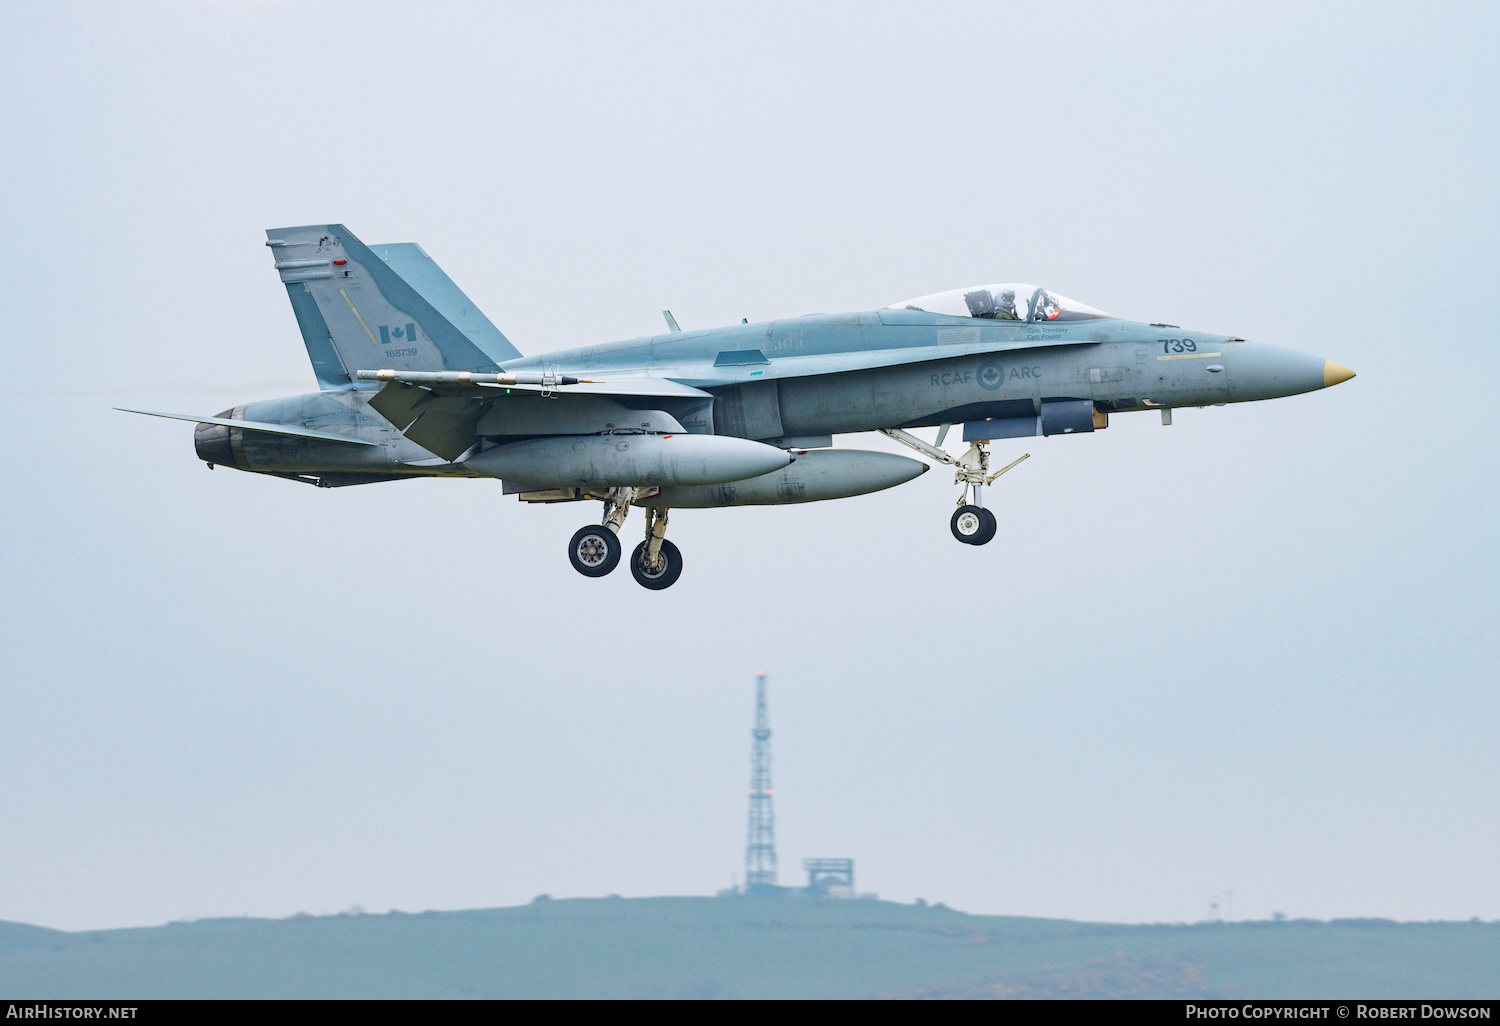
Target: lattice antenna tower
column 760, row 841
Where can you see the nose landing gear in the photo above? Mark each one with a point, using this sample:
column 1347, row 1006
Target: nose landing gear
column 971, row 524
column 595, row 550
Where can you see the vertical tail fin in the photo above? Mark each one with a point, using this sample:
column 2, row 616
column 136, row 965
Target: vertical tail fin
column 422, row 273
column 357, row 313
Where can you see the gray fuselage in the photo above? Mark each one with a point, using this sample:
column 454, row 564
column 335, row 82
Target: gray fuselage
column 793, row 382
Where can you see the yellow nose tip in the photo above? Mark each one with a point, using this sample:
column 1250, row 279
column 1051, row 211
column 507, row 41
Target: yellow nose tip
column 1333, row 373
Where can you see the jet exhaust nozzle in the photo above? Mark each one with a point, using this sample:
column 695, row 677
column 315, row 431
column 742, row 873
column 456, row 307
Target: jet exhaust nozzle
column 211, row 441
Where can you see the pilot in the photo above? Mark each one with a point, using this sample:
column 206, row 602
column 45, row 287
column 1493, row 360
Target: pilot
column 1047, row 308
column 1005, row 306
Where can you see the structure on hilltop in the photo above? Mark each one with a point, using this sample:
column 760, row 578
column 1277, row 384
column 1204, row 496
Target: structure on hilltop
column 760, row 839
column 826, row 878
column 830, row 878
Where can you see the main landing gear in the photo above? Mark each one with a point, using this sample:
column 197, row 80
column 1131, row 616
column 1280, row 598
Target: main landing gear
column 971, row 523
column 656, row 563
column 595, row 550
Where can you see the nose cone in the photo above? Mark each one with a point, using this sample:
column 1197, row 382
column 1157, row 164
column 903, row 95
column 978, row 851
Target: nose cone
column 1333, row 373
column 1260, row 371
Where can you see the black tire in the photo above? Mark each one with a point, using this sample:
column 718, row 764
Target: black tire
column 663, row 577
column 986, row 532
column 968, row 524
column 594, row 551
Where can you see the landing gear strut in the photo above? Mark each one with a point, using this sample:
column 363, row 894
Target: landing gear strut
column 595, row 550
column 971, row 524
column 656, row 563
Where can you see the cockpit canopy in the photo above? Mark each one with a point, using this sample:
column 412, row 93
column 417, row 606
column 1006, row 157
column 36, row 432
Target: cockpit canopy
column 1007, row 302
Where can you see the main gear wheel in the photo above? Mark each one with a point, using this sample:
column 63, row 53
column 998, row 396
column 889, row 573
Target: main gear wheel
column 668, row 566
column 594, row 551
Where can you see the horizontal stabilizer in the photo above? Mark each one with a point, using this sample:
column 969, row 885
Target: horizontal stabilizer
column 254, row 425
column 440, row 424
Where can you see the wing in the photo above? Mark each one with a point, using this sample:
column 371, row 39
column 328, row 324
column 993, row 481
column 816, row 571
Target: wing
column 447, row 413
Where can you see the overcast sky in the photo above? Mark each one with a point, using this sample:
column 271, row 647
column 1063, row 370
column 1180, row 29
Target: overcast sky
column 1252, row 652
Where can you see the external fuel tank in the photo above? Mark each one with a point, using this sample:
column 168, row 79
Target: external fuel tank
column 610, row 461
column 817, row 474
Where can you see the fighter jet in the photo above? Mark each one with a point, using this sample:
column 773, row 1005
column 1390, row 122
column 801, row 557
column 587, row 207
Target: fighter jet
column 414, row 381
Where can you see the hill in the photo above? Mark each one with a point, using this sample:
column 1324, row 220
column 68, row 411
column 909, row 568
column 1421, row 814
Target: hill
column 747, row 947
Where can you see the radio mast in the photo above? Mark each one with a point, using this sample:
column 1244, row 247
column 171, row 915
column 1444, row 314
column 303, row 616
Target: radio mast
column 760, row 842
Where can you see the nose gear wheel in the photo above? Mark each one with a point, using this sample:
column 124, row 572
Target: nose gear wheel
column 973, row 525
